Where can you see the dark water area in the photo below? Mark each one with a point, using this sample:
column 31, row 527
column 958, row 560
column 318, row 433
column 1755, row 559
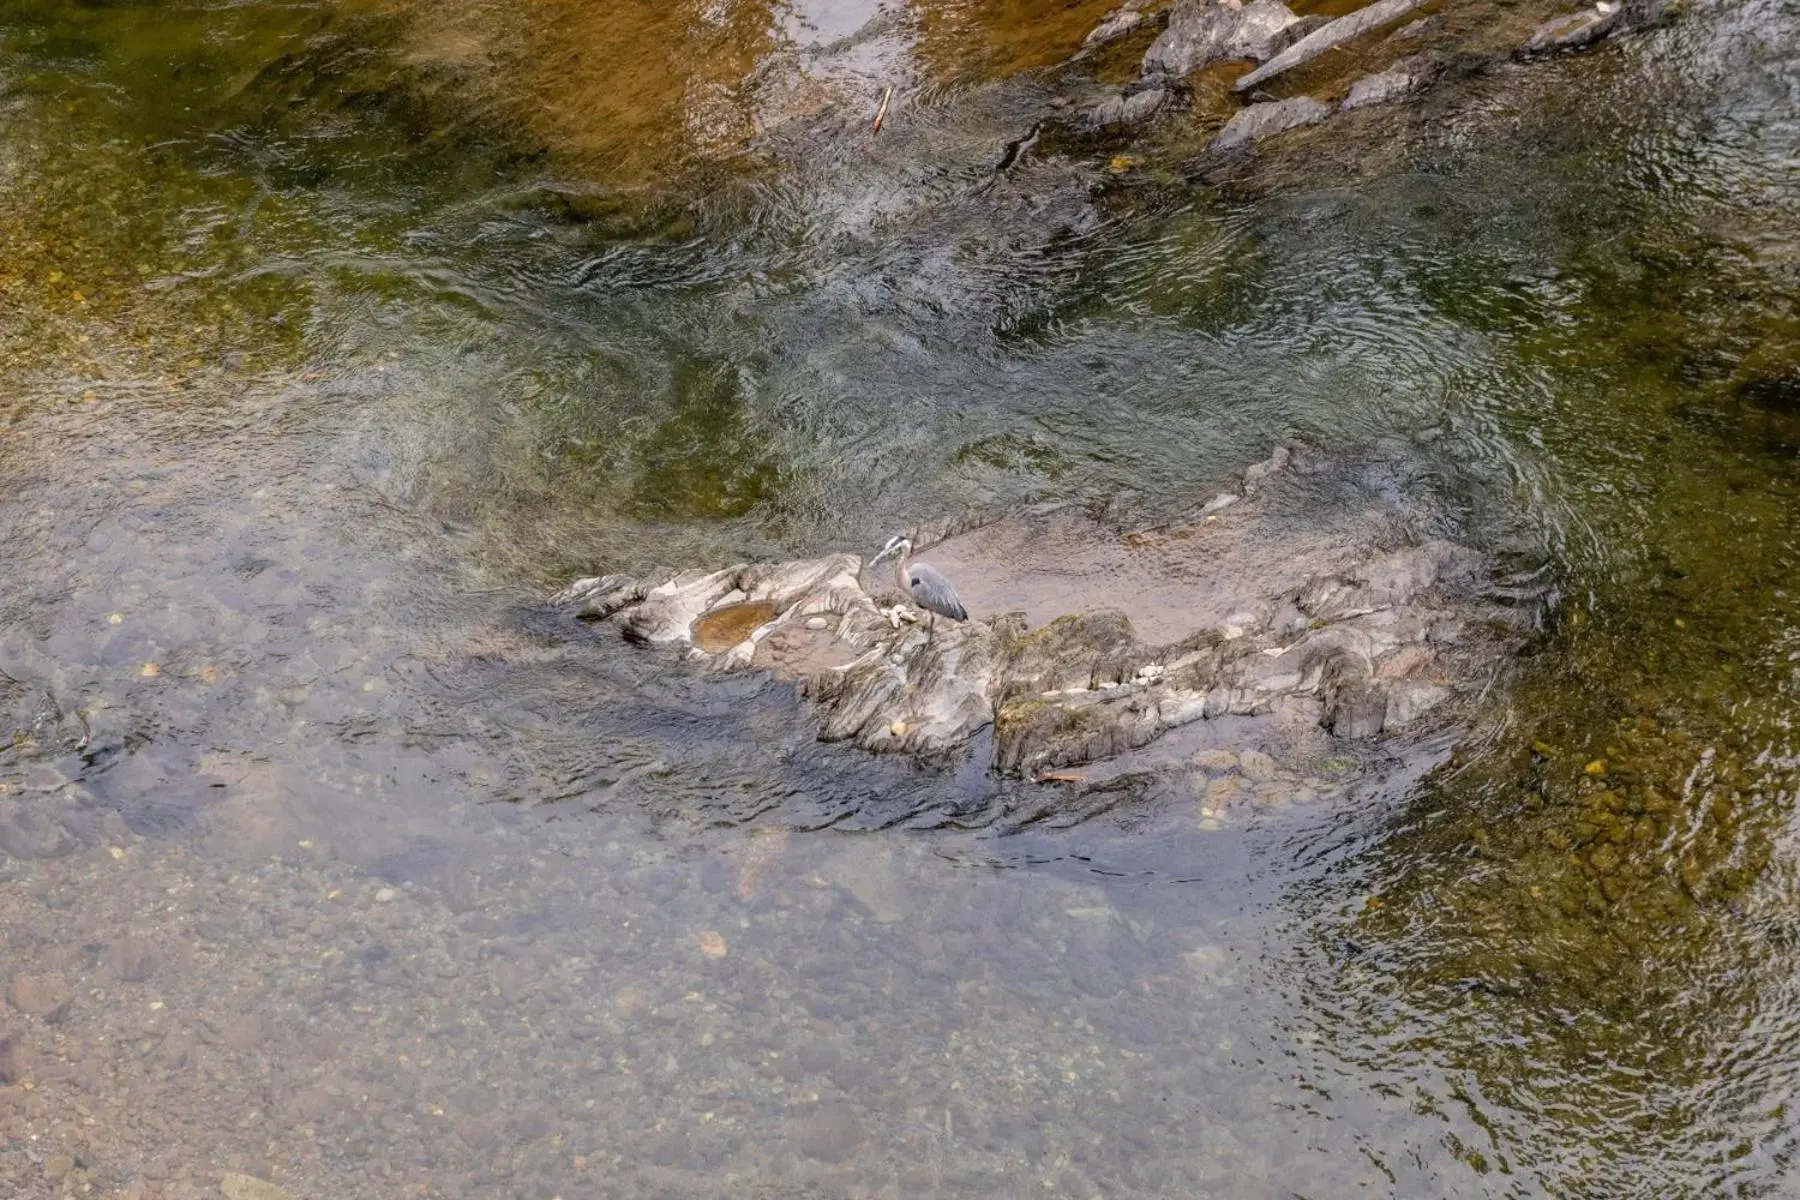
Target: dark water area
column 334, row 337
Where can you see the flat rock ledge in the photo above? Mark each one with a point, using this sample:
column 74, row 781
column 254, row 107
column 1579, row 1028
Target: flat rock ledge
column 1367, row 639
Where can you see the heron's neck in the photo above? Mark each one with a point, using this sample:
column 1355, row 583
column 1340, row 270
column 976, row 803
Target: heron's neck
column 900, row 569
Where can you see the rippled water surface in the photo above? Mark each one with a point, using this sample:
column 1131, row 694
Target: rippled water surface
column 335, row 336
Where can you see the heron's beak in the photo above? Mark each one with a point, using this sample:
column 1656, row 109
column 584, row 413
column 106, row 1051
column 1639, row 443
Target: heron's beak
column 882, row 557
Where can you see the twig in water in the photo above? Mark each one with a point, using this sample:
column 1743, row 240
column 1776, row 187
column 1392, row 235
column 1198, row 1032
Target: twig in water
column 881, row 113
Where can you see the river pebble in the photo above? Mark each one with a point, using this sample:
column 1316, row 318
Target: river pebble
column 133, row 959
column 38, row 995
column 829, row 1135
column 15, row 1058
column 1256, row 766
column 1216, row 760
column 248, row 1187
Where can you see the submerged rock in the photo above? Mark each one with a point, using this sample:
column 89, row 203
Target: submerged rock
column 1328, row 36
column 1117, row 24
column 1128, row 108
column 1096, row 642
column 1403, row 78
column 1200, row 34
column 1572, row 31
column 1274, row 116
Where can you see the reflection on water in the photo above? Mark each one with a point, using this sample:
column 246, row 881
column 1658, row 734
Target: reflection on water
column 336, row 335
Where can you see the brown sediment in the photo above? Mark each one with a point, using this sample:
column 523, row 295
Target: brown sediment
column 722, row 628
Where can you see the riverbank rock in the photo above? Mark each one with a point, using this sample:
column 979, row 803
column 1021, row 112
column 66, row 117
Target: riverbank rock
column 1091, row 641
column 1200, row 34
column 1271, row 117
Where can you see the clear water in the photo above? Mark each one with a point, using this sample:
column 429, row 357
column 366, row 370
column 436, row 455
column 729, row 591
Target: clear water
column 335, row 336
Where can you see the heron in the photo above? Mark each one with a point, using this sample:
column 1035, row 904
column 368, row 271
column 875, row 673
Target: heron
column 922, row 583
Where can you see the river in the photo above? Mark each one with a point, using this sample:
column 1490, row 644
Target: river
column 335, row 336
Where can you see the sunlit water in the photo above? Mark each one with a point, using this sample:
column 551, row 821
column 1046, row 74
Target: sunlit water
column 335, row 337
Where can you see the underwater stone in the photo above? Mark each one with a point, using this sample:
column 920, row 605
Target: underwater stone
column 1572, row 31
column 1404, row 77
column 1262, row 120
column 1116, row 25
column 1128, row 108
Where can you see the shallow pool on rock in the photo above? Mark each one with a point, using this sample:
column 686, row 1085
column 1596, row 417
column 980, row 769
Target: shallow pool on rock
column 330, row 345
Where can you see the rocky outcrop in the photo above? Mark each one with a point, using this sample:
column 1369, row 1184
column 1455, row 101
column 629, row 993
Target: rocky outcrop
column 1199, row 34
column 1099, row 642
column 1271, row 117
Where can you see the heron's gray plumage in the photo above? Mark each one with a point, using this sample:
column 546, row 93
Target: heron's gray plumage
column 930, row 590
column 923, row 583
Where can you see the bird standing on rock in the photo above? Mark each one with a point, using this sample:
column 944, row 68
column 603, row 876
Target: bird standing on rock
column 922, row 583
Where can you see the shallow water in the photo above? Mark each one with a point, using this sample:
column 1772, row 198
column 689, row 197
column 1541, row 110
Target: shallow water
column 335, row 336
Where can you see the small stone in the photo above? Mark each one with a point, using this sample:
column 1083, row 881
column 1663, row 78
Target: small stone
column 1256, row 765
column 386, row 896
column 1411, row 30
column 313, row 1103
column 56, row 1166
column 817, row 623
column 28, row 833
column 510, row 980
column 1255, row 473
column 248, row 1187
column 1408, row 660
column 15, row 1058
column 1357, row 712
column 1220, row 792
column 711, row 943
column 38, row 995
column 830, row 1135
column 133, row 958
column 1410, row 700
column 1223, row 500
column 1216, row 760
column 243, row 1033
